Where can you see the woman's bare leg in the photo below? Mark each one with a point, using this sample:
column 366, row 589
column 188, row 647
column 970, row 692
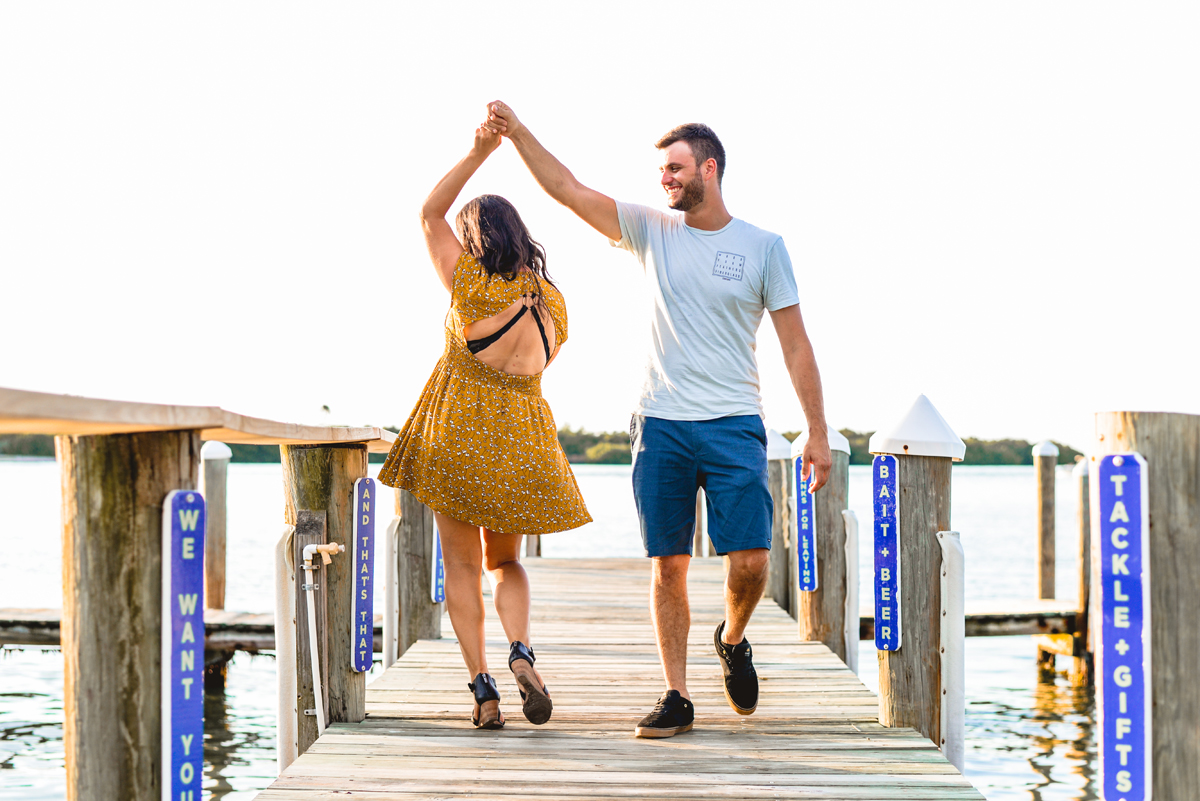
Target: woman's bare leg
column 462, row 556
column 510, row 584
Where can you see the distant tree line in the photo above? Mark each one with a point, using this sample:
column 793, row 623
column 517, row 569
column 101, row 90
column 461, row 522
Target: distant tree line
column 979, row 451
column 612, row 447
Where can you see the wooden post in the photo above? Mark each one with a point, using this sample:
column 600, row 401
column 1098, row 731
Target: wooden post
column 910, row 678
column 1170, row 444
column 113, row 487
column 214, row 477
column 778, row 577
column 821, row 615
column 533, row 545
column 420, row 617
column 311, row 529
column 1045, row 460
column 320, row 478
column 1082, row 674
column 700, row 543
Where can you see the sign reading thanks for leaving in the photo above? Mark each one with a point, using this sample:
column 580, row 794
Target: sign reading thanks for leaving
column 806, row 542
column 363, row 625
column 884, row 485
column 437, row 584
column 1125, row 628
column 183, row 645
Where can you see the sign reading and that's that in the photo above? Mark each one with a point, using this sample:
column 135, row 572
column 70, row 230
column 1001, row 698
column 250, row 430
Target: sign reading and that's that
column 363, row 625
column 886, row 501
column 437, row 583
column 1120, row 495
column 183, row 645
column 806, row 541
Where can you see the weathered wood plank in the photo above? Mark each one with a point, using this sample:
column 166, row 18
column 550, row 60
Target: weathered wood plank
column 420, row 617
column 821, row 615
column 814, row 735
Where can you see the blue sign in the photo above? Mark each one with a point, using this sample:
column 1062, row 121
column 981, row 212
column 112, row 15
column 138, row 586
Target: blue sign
column 806, row 540
column 886, row 500
column 437, row 584
column 362, row 646
column 183, row 645
column 1124, row 657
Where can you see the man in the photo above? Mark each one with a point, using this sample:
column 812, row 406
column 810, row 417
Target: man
column 699, row 420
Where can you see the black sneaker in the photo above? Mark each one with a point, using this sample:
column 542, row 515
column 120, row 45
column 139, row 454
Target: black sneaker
column 741, row 681
column 673, row 714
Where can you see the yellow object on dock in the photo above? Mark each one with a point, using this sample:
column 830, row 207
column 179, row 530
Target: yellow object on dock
column 815, row 734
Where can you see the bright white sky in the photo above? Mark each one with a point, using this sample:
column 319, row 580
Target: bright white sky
column 215, row 203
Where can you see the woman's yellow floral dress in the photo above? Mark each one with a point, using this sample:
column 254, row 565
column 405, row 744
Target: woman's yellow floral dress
column 481, row 445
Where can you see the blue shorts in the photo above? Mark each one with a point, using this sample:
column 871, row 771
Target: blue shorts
column 726, row 456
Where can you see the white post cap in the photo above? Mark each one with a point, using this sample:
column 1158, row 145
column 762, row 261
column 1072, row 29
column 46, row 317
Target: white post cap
column 922, row 432
column 837, row 442
column 777, row 445
column 1045, row 448
column 213, row 451
column 1081, row 468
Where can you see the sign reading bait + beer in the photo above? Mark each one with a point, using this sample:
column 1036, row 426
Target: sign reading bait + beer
column 182, row 645
column 806, row 541
column 362, row 646
column 1124, row 657
column 886, row 502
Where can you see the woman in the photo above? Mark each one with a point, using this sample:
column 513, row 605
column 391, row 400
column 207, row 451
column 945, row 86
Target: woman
column 481, row 448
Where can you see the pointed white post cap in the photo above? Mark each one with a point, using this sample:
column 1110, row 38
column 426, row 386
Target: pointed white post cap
column 777, row 445
column 836, row 443
column 213, row 451
column 922, row 432
column 1045, row 448
column 1081, row 468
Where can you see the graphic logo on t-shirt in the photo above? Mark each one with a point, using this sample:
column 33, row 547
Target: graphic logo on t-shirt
column 729, row 266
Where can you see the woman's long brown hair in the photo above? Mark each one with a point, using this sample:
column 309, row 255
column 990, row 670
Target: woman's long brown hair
column 492, row 231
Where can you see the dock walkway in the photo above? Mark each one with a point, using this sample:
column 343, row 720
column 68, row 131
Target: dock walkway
column 815, row 734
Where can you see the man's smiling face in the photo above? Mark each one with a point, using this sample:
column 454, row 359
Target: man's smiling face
column 681, row 177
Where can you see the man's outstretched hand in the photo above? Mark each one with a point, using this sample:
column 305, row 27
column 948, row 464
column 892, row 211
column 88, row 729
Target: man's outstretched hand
column 817, row 460
column 501, row 119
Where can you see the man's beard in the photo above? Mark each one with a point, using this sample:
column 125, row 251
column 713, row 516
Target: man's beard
column 690, row 195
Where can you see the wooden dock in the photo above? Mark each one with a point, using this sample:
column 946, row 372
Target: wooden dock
column 815, row 734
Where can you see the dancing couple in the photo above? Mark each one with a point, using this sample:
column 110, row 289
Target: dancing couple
column 481, row 447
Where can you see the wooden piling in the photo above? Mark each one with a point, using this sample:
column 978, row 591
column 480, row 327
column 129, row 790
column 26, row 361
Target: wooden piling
column 1170, row 443
column 821, row 615
column 533, row 545
column 1082, row 673
column 214, row 479
column 912, row 689
column 1045, row 460
column 113, row 487
column 320, row 478
column 778, row 577
column 420, row 617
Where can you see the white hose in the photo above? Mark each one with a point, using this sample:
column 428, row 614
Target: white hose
column 318, row 695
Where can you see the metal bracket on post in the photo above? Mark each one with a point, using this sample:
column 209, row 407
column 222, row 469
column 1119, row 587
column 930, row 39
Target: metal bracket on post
column 953, row 639
column 850, row 624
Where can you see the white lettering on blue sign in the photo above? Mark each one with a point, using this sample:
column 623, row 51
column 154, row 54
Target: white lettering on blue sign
column 437, row 584
column 806, row 539
column 362, row 644
column 1124, row 655
column 182, row 702
column 885, row 486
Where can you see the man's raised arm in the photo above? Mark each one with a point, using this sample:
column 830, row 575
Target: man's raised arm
column 595, row 209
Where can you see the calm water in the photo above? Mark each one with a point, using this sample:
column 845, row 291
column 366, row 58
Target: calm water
column 1024, row 740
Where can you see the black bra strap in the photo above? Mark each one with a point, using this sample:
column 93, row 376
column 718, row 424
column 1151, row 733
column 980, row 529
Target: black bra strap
column 476, row 345
column 542, row 331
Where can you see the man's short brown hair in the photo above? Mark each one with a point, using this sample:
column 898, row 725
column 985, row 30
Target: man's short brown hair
column 702, row 140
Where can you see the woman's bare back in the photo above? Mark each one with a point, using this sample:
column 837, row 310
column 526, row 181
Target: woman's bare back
column 520, row 350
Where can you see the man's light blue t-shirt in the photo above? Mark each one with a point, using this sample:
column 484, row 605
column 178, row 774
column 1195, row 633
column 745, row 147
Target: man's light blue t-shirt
column 709, row 290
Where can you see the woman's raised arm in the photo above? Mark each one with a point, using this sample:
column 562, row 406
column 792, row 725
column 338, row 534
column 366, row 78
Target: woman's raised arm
column 444, row 247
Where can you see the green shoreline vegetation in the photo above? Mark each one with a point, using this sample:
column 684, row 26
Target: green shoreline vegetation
column 586, row 447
